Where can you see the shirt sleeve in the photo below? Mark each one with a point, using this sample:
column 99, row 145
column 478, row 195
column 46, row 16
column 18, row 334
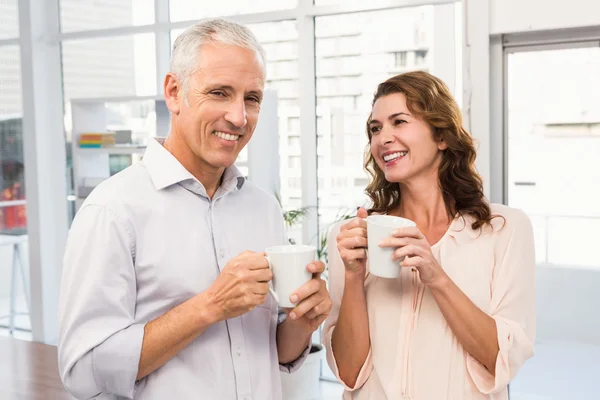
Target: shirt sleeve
column 99, row 343
column 297, row 363
column 336, row 291
column 512, row 306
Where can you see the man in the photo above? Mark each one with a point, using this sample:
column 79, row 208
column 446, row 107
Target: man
column 165, row 286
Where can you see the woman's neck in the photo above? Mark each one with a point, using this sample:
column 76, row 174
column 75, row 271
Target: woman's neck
column 423, row 203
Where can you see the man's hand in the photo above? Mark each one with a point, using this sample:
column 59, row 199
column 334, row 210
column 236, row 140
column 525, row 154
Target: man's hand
column 242, row 285
column 312, row 299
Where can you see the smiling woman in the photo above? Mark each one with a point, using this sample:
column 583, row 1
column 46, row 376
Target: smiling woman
column 419, row 105
column 459, row 319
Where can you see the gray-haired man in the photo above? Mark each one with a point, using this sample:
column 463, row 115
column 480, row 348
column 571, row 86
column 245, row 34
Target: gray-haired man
column 160, row 298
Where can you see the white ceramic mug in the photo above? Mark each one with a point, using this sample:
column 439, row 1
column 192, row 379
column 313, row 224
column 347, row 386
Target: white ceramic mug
column 289, row 265
column 380, row 227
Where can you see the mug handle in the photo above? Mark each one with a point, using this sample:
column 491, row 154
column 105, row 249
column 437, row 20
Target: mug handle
column 270, row 288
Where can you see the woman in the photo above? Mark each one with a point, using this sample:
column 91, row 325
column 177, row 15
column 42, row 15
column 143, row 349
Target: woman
column 459, row 321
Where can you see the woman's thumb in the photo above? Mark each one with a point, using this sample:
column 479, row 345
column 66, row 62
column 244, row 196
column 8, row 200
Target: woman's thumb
column 362, row 213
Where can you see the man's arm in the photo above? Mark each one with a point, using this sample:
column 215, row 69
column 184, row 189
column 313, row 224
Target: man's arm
column 292, row 340
column 241, row 286
column 170, row 333
column 99, row 340
column 102, row 349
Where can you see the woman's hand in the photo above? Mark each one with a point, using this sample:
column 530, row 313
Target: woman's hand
column 412, row 244
column 352, row 244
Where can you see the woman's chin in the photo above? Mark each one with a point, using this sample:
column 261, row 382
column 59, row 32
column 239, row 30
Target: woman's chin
column 395, row 177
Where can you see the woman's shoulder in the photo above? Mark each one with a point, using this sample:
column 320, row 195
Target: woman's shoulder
column 513, row 218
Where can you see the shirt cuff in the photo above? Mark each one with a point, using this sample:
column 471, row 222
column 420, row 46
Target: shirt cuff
column 363, row 374
column 297, row 363
column 116, row 361
column 514, row 350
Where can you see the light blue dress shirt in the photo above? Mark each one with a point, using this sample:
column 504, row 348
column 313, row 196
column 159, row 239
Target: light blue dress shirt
column 145, row 241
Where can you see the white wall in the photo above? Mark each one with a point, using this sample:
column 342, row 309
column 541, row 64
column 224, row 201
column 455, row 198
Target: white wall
column 510, row 16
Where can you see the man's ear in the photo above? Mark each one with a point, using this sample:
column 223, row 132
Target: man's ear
column 172, row 92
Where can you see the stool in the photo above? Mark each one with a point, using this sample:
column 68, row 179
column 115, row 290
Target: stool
column 15, row 238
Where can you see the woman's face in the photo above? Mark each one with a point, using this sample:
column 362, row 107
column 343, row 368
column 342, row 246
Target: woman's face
column 402, row 144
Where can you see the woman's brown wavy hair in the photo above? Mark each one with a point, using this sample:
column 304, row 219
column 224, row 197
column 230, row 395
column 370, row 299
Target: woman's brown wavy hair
column 429, row 99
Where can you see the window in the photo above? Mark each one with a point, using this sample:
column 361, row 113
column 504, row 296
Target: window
column 399, row 59
column 12, row 178
column 109, row 67
column 420, row 57
column 294, row 162
column 9, row 19
column 13, row 212
column 543, row 121
column 358, row 45
column 85, row 15
column 294, row 142
column 185, row 10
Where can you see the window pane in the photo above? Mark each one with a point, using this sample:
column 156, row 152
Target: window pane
column 280, row 40
column 184, row 10
column 12, row 181
column 109, row 67
column 553, row 123
column 543, row 121
column 85, row 15
column 9, row 19
column 354, row 53
column 13, row 216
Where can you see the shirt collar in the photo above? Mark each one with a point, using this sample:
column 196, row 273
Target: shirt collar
column 165, row 170
column 460, row 229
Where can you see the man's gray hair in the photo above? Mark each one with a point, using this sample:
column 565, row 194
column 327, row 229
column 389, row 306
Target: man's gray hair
column 184, row 58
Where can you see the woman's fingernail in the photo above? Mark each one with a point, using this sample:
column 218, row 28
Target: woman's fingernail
column 294, row 298
column 293, row 315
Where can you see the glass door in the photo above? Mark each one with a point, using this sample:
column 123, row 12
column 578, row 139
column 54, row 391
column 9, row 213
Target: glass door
column 552, row 143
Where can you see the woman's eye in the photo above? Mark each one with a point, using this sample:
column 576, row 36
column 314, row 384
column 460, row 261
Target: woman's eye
column 375, row 129
column 399, row 121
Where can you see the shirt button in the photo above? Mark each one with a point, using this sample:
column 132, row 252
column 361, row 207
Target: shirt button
column 222, row 253
column 238, row 350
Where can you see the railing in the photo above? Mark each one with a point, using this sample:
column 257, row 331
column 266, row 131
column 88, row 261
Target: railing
column 567, row 240
column 12, row 203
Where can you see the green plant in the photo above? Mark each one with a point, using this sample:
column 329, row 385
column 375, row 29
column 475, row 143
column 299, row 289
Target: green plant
column 322, row 250
column 293, row 216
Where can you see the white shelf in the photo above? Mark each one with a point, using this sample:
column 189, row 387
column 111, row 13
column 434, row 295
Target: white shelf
column 112, row 150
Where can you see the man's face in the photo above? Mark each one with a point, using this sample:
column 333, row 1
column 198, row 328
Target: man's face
column 217, row 116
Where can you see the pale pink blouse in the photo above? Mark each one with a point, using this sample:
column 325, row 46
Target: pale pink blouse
column 414, row 353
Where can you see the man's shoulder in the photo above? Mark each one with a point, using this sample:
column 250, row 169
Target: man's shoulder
column 129, row 185
column 260, row 196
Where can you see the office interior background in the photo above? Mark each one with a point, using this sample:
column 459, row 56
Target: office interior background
column 526, row 74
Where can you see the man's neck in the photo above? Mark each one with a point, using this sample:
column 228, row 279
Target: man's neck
column 207, row 175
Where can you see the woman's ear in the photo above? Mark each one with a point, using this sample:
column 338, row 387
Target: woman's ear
column 442, row 145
